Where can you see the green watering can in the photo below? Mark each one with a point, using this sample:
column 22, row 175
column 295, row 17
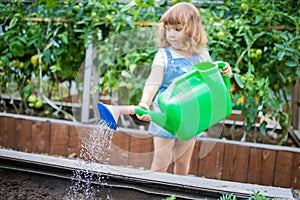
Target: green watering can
column 192, row 103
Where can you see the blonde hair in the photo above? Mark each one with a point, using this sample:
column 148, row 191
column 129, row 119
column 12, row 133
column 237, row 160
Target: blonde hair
column 192, row 37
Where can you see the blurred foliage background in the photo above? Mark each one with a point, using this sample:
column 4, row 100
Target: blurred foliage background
column 43, row 44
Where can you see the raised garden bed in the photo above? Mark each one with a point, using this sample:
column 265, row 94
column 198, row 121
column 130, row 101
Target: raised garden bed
column 213, row 158
column 116, row 181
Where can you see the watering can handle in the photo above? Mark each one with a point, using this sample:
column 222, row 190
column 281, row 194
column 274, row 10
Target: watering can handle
column 141, row 111
column 226, row 79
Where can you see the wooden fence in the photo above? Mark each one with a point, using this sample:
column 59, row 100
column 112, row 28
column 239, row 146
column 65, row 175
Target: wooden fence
column 215, row 159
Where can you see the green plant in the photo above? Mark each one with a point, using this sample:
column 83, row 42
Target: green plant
column 48, row 39
column 261, row 42
column 228, row 197
column 258, row 196
column 35, row 48
column 172, row 197
column 255, row 196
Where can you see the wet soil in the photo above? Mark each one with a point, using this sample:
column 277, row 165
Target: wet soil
column 17, row 185
column 22, row 186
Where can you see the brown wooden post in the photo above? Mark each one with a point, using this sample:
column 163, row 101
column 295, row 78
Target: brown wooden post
column 194, row 160
column 283, row 170
column 119, row 151
column 59, row 139
column 267, row 167
column 40, row 137
column 236, row 162
column 7, row 132
column 254, row 169
column 141, row 150
column 74, row 142
column 23, row 134
column 296, row 171
column 212, row 163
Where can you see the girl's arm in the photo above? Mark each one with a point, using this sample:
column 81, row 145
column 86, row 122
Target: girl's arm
column 154, row 79
column 152, row 85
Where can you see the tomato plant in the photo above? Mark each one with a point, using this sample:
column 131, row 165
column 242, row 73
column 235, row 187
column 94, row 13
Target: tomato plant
column 43, row 44
column 260, row 41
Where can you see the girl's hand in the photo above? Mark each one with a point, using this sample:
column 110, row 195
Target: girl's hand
column 144, row 117
column 226, row 70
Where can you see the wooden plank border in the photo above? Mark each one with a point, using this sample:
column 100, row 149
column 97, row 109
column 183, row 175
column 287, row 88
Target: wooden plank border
column 212, row 158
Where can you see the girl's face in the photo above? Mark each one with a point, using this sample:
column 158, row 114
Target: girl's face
column 173, row 35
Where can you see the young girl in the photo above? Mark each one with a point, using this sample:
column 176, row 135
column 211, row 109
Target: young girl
column 182, row 43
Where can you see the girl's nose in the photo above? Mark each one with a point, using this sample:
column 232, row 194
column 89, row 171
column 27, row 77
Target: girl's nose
column 173, row 33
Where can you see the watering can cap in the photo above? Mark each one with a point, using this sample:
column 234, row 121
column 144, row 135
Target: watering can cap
column 203, row 66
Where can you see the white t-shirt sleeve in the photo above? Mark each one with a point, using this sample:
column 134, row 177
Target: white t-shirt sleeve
column 160, row 59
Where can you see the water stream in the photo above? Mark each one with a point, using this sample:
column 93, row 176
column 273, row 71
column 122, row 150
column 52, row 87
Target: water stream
column 96, row 143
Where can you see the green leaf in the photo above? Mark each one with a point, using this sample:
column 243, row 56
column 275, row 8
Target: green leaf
column 128, row 6
column 280, row 46
column 33, row 40
column 298, row 73
column 258, row 19
column 284, row 36
column 126, row 74
column 291, row 63
column 132, row 67
column 291, row 50
column 238, row 80
column 263, row 127
column 122, row 84
column 47, row 56
column 52, row 3
column 64, row 37
column 251, row 67
column 27, row 91
column 252, row 115
column 22, row 39
column 17, row 49
column 13, row 22
column 5, row 59
column 280, row 55
column 260, row 93
column 248, row 126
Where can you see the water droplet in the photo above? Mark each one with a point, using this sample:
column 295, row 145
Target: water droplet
column 94, row 149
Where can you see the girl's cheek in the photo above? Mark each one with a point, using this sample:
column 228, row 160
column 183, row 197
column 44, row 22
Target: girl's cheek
column 172, row 33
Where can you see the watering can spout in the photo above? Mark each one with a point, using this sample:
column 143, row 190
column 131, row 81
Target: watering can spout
column 110, row 114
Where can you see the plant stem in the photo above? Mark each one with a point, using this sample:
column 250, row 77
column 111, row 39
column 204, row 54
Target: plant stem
column 285, row 130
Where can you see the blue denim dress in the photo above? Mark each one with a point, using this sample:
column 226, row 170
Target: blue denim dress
column 175, row 67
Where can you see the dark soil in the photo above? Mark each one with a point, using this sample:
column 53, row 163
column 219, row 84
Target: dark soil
column 17, row 185
column 22, row 186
